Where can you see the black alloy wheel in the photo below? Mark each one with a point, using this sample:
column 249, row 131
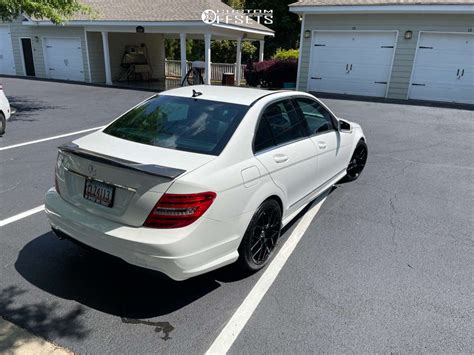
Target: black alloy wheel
column 357, row 162
column 261, row 236
column 3, row 124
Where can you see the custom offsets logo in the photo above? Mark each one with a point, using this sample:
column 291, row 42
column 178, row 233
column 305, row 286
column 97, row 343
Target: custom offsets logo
column 237, row 17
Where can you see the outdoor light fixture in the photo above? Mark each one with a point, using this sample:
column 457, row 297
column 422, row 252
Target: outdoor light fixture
column 307, row 34
column 36, row 39
column 408, row 34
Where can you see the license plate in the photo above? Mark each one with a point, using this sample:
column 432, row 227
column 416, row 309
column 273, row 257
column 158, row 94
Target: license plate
column 99, row 192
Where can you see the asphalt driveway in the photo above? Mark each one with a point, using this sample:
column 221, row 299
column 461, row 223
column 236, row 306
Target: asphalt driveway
column 385, row 266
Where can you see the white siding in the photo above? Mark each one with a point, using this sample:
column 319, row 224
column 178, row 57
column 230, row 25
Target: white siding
column 96, row 57
column 405, row 50
column 19, row 30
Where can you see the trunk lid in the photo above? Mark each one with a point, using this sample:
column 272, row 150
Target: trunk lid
column 139, row 174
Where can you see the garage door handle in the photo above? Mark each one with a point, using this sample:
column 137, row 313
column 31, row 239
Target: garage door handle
column 280, row 158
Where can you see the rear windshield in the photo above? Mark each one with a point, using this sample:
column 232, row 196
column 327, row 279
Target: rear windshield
column 193, row 125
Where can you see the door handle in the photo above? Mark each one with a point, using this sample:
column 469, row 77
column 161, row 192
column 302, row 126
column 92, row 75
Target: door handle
column 462, row 73
column 457, row 74
column 350, row 69
column 280, row 158
column 322, row 145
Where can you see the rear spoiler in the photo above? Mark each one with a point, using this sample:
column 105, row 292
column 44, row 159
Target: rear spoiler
column 150, row 169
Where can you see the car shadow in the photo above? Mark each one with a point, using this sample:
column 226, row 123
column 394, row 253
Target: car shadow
column 108, row 284
column 104, row 282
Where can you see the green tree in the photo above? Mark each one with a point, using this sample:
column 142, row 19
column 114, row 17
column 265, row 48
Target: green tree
column 236, row 4
column 222, row 51
column 57, row 11
column 286, row 24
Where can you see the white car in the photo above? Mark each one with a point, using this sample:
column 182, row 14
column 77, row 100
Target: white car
column 199, row 177
column 4, row 110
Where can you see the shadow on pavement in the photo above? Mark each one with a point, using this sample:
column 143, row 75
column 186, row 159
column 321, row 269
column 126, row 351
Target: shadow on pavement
column 110, row 285
column 104, row 282
column 24, row 107
column 42, row 319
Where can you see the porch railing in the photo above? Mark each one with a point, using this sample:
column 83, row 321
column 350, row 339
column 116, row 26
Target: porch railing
column 173, row 69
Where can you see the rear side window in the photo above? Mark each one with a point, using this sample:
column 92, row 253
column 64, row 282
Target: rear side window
column 200, row 126
column 316, row 116
column 280, row 123
column 263, row 136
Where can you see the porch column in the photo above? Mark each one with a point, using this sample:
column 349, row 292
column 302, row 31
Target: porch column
column 207, row 57
column 105, row 45
column 182, row 45
column 238, row 69
column 260, row 50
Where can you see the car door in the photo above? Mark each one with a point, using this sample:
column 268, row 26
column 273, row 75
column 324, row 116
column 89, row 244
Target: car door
column 282, row 145
column 326, row 138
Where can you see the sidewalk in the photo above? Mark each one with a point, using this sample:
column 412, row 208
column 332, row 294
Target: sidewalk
column 17, row 341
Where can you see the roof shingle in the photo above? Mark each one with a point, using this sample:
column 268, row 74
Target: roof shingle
column 379, row 2
column 156, row 11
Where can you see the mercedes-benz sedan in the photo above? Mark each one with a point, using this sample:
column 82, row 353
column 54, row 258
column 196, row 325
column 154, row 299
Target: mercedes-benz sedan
column 199, row 177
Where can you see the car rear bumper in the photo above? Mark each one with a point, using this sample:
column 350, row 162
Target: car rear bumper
column 179, row 253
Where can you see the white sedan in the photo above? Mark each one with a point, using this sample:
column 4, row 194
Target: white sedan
column 200, row 177
column 5, row 111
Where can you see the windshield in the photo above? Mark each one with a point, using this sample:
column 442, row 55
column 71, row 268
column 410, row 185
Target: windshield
column 193, row 125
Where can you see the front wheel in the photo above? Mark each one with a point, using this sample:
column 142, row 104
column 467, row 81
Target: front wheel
column 261, row 237
column 3, row 124
column 357, row 162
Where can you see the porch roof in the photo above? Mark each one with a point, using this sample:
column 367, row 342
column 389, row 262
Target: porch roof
column 160, row 13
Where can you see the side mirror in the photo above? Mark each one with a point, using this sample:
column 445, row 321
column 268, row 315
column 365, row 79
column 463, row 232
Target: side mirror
column 344, row 126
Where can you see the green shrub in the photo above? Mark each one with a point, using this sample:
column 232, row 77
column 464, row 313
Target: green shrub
column 285, row 54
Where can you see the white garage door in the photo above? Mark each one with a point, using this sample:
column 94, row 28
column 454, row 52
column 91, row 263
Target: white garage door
column 444, row 68
column 63, row 58
column 357, row 63
column 7, row 62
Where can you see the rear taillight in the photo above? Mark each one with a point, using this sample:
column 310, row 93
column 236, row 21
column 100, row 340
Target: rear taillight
column 179, row 210
column 57, row 169
column 56, row 184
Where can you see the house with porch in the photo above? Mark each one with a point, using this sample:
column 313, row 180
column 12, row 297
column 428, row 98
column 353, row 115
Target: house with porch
column 119, row 35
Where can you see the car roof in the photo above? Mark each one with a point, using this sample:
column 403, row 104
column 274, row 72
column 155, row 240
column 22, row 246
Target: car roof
column 230, row 94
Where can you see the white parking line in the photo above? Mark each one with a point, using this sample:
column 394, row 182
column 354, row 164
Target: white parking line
column 241, row 316
column 50, row 138
column 21, row 215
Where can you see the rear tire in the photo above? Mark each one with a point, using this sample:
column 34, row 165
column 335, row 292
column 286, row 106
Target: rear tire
column 357, row 162
column 3, row 124
column 261, row 237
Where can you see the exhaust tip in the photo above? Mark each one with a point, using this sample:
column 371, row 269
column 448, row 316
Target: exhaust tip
column 59, row 234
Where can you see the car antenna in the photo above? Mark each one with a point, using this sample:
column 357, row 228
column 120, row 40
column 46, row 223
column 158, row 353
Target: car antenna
column 196, row 93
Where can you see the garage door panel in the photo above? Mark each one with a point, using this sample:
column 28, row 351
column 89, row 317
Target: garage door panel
column 338, row 86
column 444, row 68
column 64, row 58
column 356, row 63
column 7, row 61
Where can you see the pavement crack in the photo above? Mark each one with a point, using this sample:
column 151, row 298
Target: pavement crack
column 392, row 223
column 11, row 188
